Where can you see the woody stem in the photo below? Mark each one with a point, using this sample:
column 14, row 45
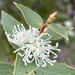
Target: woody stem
column 43, row 27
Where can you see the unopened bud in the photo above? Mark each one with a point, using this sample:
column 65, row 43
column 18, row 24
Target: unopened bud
column 46, row 29
column 52, row 17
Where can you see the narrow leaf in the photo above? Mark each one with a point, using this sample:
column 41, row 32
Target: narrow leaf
column 21, row 69
column 6, row 69
column 56, row 69
column 31, row 17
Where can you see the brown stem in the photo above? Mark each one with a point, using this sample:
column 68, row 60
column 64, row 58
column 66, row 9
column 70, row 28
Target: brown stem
column 43, row 27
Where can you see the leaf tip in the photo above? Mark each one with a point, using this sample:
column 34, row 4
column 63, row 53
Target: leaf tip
column 2, row 11
column 72, row 28
column 67, row 39
column 14, row 3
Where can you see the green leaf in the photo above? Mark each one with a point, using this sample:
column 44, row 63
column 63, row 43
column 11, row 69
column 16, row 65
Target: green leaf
column 31, row 17
column 8, row 22
column 66, row 28
column 21, row 69
column 56, row 69
column 33, row 73
column 54, row 35
column 58, row 31
column 6, row 69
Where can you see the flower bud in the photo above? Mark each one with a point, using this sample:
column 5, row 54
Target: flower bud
column 46, row 29
column 51, row 18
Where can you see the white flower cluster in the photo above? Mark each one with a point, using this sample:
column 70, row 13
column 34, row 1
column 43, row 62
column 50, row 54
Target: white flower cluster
column 32, row 47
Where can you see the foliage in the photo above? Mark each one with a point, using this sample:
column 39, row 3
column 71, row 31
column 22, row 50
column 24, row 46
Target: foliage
column 34, row 20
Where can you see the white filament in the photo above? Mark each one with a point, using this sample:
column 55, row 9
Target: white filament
column 33, row 47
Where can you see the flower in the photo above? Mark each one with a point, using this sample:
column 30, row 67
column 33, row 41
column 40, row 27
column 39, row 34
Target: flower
column 32, row 46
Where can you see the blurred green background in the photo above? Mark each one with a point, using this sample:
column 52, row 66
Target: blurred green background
column 66, row 17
